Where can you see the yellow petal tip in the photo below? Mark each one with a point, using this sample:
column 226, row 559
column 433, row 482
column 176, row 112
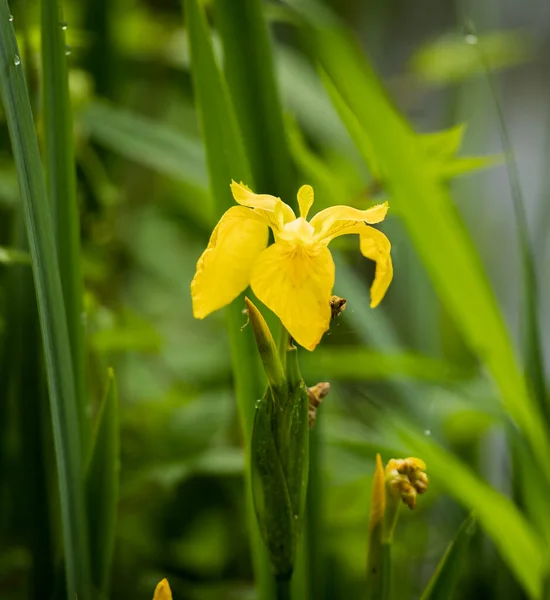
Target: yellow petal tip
column 163, row 591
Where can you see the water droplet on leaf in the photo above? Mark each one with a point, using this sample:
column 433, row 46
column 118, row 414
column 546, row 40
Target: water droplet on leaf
column 427, row 432
column 11, row 19
column 16, row 60
column 471, row 39
column 67, row 50
column 63, row 26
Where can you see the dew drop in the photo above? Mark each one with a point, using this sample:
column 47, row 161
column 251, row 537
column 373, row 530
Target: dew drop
column 10, row 19
column 471, row 39
column 67, row 50
column 427, row 432
column 63, row 26
column 16, row 60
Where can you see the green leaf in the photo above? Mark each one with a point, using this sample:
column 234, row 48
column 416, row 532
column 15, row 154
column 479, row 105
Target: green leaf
column 60, row 170
column 518, row 542
column 55, row 335
column 226, row 160
column 102, row 482
column 444, row 143
column 443, row 583
column 146, row 142
column 466, row 164
column 9, row 256
column 249, row 71
column 362, row 141
column 450, row 58
column 359, row 364
column 424, row 203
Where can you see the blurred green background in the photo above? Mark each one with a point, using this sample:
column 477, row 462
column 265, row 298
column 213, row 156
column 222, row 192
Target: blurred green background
column 146, row 214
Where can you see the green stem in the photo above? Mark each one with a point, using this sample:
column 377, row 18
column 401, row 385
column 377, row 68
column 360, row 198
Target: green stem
column 386, row 571
column 282, row 589
column 314, row 519
column 249, row 386
column 61, row 184
column 532, row 343
column 55, row 335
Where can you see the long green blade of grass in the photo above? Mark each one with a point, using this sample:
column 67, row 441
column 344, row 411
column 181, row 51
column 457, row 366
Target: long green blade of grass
column 61, row 184
column 102, row 486
column 249, row 70
column 516, row 540
column 442, row 585
column 40, row 233
column 226, row 159
column 423, row 202
column 533, row 357
column 151, row 144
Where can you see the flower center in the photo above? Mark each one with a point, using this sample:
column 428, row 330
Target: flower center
column 298, row 232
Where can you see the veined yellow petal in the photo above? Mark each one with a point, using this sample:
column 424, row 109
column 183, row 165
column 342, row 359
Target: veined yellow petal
column 376, row 246
column 330, row 222
column 273, row 209
column 163, row 591
column 305, row 200
column 223, row 270
column 296, row 282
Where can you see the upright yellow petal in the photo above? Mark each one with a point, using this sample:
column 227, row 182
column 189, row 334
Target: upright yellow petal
column 305, row 200
column 273, row 209
column 333, row 221
column 223, row 270
column 295, row 282
column 376, row 246
column 378, row 503
column 163, row 591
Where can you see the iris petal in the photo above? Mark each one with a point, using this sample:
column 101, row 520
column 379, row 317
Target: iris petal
column 296, row 282
column 376, row 246
column 163, row 591
column 273, row 209
column 223, row 270
column 305, row 200
column 330, row 222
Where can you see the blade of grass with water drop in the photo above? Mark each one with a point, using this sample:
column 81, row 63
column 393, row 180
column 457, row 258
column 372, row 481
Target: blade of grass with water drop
column 226, row 159
column 60, row 171
column 518, row 542
column 424, row 203
column 443, row 583
column 55, row 336
column 533, row 358
column 102, row 486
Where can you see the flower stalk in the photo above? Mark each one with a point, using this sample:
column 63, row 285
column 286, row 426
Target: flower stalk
column 400, row 482
column 279, row 452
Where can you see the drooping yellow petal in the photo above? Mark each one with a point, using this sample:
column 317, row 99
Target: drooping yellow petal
column 376, row 246
column 163, row 591
column 223, row 270
column 295, row 282
column 273, row 209
column 305, row 200
column 332, row 221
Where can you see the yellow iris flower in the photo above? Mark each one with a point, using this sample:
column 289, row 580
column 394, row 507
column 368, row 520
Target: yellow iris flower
column 294, row 276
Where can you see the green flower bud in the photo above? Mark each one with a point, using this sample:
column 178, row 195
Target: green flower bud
column 279, row 451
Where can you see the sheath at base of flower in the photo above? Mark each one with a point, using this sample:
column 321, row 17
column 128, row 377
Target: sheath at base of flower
column 279, row 450
column 294, row 276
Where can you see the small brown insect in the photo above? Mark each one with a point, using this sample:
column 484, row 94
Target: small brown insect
column 337, row 305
